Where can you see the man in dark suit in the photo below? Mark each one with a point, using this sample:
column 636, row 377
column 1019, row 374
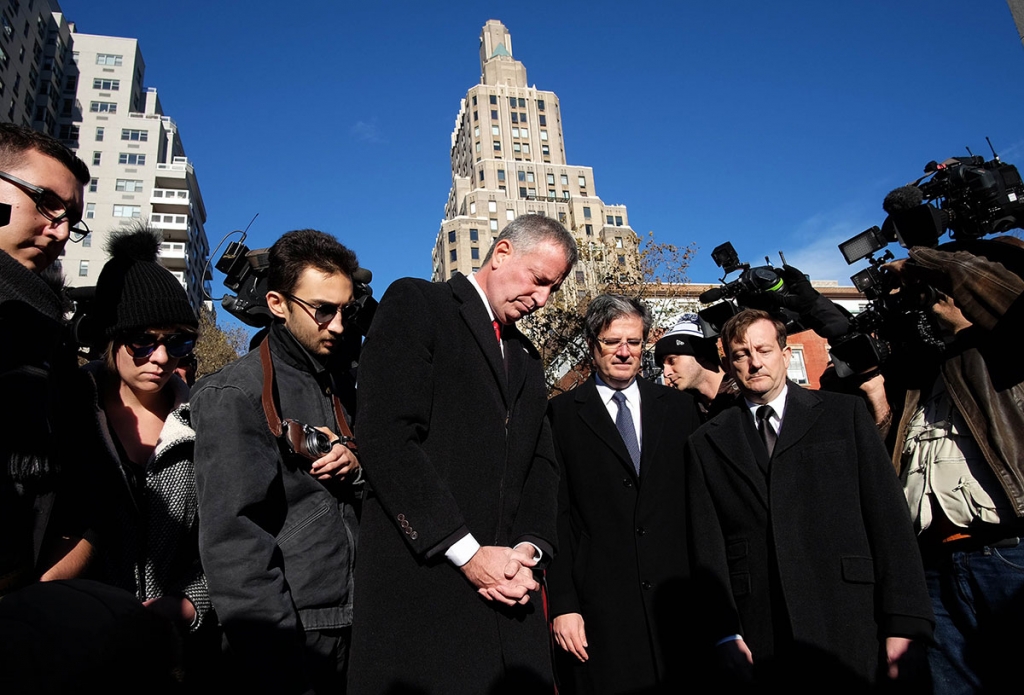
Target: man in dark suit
column 616, row 585
column 456, row 449
column 801, row 541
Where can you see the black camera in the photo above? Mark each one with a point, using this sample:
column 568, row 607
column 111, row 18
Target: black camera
column 305, row 441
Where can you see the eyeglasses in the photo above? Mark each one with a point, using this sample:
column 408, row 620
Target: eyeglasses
column 50, row 205
column 614, row 343
column 325, row 313
column 142, row 345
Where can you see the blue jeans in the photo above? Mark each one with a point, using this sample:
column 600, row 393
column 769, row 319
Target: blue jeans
column 978, row 599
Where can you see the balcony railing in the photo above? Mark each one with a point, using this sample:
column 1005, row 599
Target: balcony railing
column 167, row 221
column 172, row 249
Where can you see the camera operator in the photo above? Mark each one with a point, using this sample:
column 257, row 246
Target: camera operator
column 959, row 449
column 276, row 496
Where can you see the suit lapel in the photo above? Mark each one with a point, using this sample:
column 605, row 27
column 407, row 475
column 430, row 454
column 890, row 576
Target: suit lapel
column 595, row 415
column 652, row 424
column 726, row 435
column 478, row 321
column 517, row 358
column 803, row 408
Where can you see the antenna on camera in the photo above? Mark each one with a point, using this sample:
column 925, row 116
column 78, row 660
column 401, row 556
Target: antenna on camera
column 994, row 155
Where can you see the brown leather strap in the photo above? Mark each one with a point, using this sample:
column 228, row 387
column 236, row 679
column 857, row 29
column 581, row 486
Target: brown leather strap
column 270, row 409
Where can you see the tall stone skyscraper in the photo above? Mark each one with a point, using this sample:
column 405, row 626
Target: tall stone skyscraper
column 508, row 159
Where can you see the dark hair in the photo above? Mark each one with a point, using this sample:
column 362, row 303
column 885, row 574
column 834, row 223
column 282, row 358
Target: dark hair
column 526, row 231
column 16, row 140
column 306, row 248
column 736, row 327
column 606, row 308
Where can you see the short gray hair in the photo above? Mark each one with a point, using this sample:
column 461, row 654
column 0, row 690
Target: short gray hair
column 606, row 308
column 526, row 231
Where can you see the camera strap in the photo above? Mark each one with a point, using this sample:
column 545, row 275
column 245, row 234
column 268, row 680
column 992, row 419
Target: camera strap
column 270, row 408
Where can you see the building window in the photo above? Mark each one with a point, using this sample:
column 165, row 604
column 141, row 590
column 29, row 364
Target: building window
column 93, row 185
column 453, row 255
column 529, row 176
column 495, row 130
column 474, row 254
column 99, row 135
column 540, row 104
column 131, row 158
column 522, row 118
column 127, row 211
column 103, row 107
column 128, row 185
column 551, row 193
column 522, row 103
column 526, row 147
column 83, row 269
column 522, row 191
column 533, row 192
column 497, row 145
column 96, row 158
column 109, row 59
column 69, row 132
column 106, row 85
column 515, row 132
column 542, row 119
column 618, row 220
column 474, row 100
column 494, row 225
column 565, row 195
column 90, row 211
column 134, row 135
column 492, row 206
column 451, row 237
column 582, row 181
column 579, row 276
column 622, row 260
column 512, row 102
column 545, row 150
column 493, row 98
column 590, row 229
column 476, row 116
column 515, row 117
column 494, row 115
column 510, row 214
column 516, row 147
column 476, row 132
column 501, row 174
column 525, row 132
column 797, row 369
column 618, row 242
column 473, row 235
column 586, row 213
column 544, row 135
column 87, row 240
column 477, row 147
column 609, row 219
column 565, row 179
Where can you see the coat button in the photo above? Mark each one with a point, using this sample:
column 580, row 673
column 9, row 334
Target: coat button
column 405, row 524
column 640, row 530
column 401, row 517
column 645, row 586
column 414, row 535
column 626, row 482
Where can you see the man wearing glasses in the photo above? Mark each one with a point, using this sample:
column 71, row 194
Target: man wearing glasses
column 277, row 525
column 41, row 183
column 615, row 585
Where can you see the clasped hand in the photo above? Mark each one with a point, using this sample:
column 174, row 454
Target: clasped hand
column 503, row 574
column 336, row 463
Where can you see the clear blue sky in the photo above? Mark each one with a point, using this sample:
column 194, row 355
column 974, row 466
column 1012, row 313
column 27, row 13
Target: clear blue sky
column 773, row 125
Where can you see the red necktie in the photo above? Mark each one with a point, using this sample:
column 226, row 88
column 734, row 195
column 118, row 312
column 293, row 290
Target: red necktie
column 497, row 329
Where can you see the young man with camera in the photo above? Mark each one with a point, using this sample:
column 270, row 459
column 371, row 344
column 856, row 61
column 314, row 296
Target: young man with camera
column 275, row 475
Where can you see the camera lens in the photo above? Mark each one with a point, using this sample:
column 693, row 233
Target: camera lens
column 317, row 443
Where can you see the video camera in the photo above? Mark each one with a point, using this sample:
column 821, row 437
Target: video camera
column 246, row 276
column 967, row 196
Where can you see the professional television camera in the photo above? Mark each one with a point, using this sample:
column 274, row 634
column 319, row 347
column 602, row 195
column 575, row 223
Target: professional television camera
column 784, row 292
column 246, row 276
column 967, row 196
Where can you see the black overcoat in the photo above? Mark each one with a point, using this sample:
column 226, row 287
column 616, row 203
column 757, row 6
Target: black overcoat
column 449, row 444
column 622, row 562
column 820, row 550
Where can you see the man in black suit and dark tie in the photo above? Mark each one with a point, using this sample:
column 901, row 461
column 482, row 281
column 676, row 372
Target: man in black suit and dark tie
column 616, row 585
column 803, row 551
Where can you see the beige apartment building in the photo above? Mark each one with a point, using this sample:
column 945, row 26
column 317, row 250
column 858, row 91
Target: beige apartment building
column 88, row 92
column 508, row 159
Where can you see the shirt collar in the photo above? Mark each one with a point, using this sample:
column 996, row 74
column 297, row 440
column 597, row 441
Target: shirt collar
column 778, row 404
column 631, row 392
column 483, row 297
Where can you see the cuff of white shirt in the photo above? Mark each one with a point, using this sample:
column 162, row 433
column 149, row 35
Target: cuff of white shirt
column 538, row 554
column 462, row 551
column 730, row 638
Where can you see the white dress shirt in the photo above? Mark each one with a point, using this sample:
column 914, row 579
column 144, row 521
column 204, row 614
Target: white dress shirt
column 632, row 394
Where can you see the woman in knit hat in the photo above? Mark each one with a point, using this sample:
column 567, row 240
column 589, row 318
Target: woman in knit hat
column 143, row 442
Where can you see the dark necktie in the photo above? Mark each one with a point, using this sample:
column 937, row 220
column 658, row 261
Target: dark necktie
column 624, row 423
column 765, row 429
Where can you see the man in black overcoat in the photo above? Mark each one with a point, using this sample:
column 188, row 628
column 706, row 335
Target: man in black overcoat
column 802, row 545
column 462, row 476
column 617, row 585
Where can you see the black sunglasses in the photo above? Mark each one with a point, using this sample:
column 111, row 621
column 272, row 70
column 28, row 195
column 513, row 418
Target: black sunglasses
column 178, row 345
column 50, row 205
column 325, row 313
